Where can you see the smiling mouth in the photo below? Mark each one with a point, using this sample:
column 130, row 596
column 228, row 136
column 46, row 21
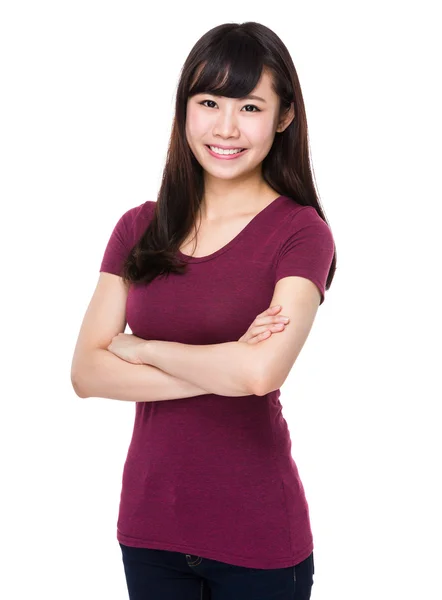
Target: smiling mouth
column 240, row 149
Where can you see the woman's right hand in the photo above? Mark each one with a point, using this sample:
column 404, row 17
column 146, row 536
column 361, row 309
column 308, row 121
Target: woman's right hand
column 264, row 325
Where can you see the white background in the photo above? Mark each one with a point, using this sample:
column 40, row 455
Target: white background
column 87, row 99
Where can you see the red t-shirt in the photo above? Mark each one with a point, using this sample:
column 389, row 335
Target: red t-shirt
column 212, row 475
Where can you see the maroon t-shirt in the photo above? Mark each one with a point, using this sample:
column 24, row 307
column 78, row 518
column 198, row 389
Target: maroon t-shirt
column 213, row 475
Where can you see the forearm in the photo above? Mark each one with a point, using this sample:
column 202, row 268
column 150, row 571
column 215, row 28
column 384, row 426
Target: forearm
column 226, row 369
column 105, row 375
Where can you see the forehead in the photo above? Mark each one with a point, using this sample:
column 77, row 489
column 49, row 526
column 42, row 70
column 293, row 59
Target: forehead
column 264, row 86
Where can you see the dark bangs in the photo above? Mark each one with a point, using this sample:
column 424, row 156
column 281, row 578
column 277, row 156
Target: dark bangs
column 231, row 68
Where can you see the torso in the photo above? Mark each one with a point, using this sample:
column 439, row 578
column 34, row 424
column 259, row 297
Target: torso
column 215, row 235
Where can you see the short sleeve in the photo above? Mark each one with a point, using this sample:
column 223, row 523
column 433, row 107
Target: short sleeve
column 119, row 245
column 308, row 249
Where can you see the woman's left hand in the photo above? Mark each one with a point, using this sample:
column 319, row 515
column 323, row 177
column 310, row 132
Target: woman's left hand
column 129, row 347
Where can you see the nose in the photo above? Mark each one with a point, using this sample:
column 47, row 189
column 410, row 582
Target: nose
column 226, row 125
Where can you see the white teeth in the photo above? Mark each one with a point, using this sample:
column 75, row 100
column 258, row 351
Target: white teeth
column 221, row 151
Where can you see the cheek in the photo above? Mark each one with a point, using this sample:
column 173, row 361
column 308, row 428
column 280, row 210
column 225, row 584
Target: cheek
column 260, row 128
column 261, row 135
column 195, row 123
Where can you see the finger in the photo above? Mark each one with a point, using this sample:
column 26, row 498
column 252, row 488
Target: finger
column 276, row 307
column 269, row 320
column 263, row 332
column 273, row 310
column 257, row 338
column 275, row 328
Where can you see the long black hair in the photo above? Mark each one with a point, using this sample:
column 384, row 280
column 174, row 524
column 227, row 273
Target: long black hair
column 226, row 61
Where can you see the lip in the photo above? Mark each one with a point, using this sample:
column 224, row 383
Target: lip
column 226, row 156
column 225, row 147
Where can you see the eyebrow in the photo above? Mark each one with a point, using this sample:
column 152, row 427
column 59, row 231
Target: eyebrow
column 253, row 97
column 250, row 97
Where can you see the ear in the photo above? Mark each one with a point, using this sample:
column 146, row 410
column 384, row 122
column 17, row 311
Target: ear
column 288, row 117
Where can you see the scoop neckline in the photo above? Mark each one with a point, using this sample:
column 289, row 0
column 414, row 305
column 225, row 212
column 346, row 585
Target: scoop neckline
column 198, row 259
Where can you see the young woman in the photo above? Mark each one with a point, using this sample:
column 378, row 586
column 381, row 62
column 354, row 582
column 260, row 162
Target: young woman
column 212, row 505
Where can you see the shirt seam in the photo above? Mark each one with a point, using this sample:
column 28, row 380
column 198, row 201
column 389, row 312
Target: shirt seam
column 275, row 457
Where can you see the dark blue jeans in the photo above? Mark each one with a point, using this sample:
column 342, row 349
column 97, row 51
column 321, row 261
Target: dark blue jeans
column 164, row 575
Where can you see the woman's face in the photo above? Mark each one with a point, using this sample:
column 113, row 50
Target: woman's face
column 249, row 123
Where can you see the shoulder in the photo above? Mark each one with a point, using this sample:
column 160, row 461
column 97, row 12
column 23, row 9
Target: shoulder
column 299, row 215
column 304, row 222
column 141, row 212
column 126, row 233
column 134, row 221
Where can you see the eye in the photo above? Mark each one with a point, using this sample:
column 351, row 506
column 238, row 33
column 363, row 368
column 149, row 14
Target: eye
column 252, row 105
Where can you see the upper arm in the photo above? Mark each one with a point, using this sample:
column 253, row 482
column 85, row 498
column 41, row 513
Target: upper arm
column 106, row 314
column 300, row 299
column 105, row 318
column 302, row 265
